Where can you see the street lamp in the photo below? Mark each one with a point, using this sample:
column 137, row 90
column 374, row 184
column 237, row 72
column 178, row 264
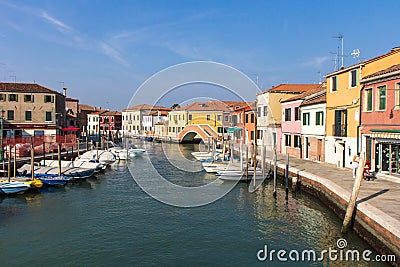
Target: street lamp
column 1, row 136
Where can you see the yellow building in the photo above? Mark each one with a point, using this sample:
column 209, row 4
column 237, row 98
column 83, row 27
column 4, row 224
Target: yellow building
column 343, row 138
column 211, row 113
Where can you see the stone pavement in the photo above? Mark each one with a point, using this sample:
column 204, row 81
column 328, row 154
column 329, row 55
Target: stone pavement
column 380, row 193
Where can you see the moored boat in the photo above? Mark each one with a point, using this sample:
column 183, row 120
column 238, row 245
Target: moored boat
column 13, row 187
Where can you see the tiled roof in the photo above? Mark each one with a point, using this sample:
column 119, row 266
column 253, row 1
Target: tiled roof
column 304, row 95
column 317, row 98
column 71, row 99
column 99, row 112
column 385, row 71
column 111, row 113
column 146, row 107
column 87, row 107
column 213, row 105
column 162, row 113
column 291, row 88
column 26, row 88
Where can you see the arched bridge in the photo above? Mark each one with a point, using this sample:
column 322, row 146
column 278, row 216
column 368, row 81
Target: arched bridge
column 203, row 131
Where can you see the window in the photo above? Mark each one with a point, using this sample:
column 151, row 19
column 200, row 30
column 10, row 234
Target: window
column 382, row 97
column 252, row 118
column 13, row 97
column 288, row 114
column 353, row 78
column 2, row 97
column 296, row 140
column 368, row 99
column 334, row 83
column 252, row 133
column 319, row 118
column 28, row 115
column 208, row 117
column 48, row 116
column 296, row 113
column 397, row 103
column 306, row 118
column 190, row 117
column 219, row 117
column 259, row 134
column 29, row 98
column 288, row 140
column 226, row 118
column 247, row 118
column 265, row 111
column 10, row 115
column 48, row 99
column 259, row 112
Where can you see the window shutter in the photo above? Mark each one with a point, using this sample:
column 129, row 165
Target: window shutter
column 16, row 97
column 33, row 98
column 24, row 98
column 52, row 99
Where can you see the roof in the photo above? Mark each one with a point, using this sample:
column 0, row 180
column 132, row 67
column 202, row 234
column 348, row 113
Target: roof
column 71, row 99
column 111, row 113
column 291, row 88
column 385, row 71
column 302, row 96
column 315, row 99
column 99, row 112
column 26, row 88
column 146, row 107
column 212, row 105
column 162, row 113
column 87, row 107
column 391, row 52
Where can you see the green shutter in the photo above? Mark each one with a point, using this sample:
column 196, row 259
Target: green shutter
column 52, row 99
column 16, row 97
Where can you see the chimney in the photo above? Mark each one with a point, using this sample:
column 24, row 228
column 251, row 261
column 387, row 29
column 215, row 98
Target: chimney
column 65, row 91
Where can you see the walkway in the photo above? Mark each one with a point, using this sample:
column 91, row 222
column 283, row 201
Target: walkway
column 377, row 204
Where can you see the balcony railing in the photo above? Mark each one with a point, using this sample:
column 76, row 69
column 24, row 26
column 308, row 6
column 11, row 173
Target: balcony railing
column 339, row 130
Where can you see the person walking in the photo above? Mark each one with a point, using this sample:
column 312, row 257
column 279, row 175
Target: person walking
column 354, row 164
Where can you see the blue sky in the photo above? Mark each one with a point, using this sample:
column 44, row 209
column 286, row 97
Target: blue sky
column 103, row 50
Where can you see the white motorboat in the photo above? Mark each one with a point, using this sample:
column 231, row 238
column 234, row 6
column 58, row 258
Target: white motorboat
column 103, row 156
column 136, row 152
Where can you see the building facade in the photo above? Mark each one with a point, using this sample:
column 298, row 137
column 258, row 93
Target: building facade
column 380, row 113
column 31, row 109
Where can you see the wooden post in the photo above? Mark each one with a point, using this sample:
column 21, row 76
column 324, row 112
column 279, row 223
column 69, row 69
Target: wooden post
column 241, row 155
column 32, row 162
column 72, row 153
column 223, row 147
column 9, row 163
column 15, row 161
column 44, row 153
column 79, row 148
column 247, row 162
column 107, row 146
column 275, row 170
column 97, row 151
column 102, row 143
column 287, row 173
column 263, row 163
column 354, row 194
column 59, row 158
column 255, row 160
column 208, row 141
column 87, row 144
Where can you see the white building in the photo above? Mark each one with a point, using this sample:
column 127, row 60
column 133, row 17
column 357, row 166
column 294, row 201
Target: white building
column 93, row 122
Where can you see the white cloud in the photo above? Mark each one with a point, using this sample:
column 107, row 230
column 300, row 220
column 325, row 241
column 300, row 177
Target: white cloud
column 112, row 53
column 61, row 25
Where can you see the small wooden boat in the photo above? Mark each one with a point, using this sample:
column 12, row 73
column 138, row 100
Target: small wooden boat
column 34, row 184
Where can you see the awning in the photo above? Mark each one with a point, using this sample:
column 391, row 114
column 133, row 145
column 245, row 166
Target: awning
column 70, row 129
column 234, row 129
column 385, row 134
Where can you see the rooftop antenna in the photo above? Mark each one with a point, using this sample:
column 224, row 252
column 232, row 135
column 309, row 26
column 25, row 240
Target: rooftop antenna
column 319, row 77
column 356, row 54
column 62, row 84
column 341, row 38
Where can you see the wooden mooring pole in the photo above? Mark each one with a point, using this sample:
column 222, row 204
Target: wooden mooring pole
column 9, row 163
column 59, row 158
column 79, row 148
column 287, row 174
column 354, row 194
column 275, row 170
column 15, row 161
column 32, row 162
column 44, row 153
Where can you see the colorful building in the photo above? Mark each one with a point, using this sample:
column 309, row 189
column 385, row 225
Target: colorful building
column 269, row 109
column 380, row 120
column 343, row 136
column 111, row 124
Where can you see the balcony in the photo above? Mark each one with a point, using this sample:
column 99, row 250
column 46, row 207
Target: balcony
column 339, row 130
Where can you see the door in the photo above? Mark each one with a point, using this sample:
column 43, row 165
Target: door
column 307, row 144
column 319, row 148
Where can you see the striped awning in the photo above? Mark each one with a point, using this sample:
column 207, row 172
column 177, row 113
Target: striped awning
column 385, row 135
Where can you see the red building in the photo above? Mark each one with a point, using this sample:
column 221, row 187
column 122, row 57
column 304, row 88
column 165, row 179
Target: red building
column 380, row 120
column 111, row 124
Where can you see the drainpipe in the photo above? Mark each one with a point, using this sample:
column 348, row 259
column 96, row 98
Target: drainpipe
column 359, row 121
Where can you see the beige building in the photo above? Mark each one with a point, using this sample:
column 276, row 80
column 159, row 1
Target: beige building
column 29, row 109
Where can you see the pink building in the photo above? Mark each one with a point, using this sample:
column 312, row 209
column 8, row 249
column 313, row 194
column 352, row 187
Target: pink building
column 291, row 126
column 380, row 120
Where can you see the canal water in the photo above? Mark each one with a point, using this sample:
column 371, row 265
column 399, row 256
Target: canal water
column 110, row 221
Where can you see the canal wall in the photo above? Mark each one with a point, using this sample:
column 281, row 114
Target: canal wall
column 377, row 228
